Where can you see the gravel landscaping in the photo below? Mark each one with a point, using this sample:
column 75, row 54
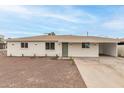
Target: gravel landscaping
column 38, row 73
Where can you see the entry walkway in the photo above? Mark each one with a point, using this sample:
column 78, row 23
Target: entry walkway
column 102, row 72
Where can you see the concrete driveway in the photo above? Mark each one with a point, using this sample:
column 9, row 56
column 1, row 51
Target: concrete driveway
column 102, row 72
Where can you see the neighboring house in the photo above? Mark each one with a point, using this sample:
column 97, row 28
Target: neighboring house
column 62, row 46
column 2, row 42
column 121, row 48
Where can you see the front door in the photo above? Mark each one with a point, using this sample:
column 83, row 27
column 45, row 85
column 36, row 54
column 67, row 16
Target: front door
column 64, row 49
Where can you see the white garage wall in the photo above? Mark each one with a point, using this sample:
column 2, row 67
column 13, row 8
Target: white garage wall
column 76, row 50
column 38, row 50
column 108, row 49
column 121, row 50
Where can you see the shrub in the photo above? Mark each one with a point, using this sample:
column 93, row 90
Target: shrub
column 72, row 61
column 22, row 55
column 10, row 55
column 57, row 56
column 34, row 55
column 45, row 55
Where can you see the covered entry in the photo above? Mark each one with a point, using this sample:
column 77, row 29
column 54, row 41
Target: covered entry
column 109, row 49
column 65, row 49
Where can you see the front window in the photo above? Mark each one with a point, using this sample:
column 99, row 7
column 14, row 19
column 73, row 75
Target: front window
column 24, row 45
column 85, row 45
column 50, row 46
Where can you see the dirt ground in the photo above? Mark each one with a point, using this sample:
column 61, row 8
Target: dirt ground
column 38, row 73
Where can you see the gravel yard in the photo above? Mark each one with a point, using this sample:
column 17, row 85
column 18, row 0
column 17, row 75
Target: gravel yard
column 38, row 73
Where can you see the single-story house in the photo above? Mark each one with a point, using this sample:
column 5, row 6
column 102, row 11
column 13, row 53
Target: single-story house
column 62, row 46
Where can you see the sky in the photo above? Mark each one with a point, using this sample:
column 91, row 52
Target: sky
column 23, row 21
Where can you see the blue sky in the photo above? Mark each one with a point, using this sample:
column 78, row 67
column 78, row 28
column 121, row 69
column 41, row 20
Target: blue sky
column 22, row 21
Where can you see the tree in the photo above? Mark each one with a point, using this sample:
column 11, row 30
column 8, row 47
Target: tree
column 51, row 33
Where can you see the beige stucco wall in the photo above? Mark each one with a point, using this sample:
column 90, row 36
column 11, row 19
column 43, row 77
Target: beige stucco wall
column 38, row 50
column 76, row 50
column 121, row 50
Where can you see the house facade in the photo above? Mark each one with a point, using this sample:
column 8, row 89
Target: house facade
column 62, row 46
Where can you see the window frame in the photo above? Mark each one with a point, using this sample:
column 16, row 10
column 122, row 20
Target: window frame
column 50, row 45
column 24, row 45
column 47, row 46
column 85, row 45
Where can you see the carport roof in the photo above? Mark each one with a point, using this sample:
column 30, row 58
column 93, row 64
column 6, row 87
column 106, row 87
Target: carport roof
column 65, row 38
column 121, row 39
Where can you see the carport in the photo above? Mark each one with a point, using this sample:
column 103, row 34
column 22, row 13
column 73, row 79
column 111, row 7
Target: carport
column 108, row 49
